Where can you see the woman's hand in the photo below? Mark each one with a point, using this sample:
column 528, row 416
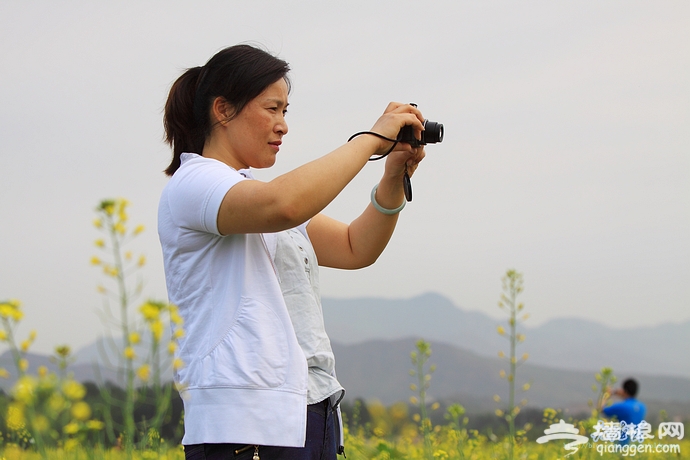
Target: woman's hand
column 392, row 121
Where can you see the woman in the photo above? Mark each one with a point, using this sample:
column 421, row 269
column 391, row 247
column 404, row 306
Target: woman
column 241, row 257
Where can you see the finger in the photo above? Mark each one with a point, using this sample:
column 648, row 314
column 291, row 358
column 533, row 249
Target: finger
column 400, row 107
column 416, row 158
column 393, row 106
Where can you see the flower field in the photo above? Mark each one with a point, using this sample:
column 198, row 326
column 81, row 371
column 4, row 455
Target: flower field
column 48, row 414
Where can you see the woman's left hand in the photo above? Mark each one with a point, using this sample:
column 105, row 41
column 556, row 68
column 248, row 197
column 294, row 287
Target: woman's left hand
column 403, row 157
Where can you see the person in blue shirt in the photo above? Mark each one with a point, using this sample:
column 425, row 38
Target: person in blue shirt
column 629, row 410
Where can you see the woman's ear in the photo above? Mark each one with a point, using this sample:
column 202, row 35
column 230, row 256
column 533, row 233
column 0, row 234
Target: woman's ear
column 221, row 111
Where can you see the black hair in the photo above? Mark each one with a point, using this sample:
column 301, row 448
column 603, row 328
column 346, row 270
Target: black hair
column 238, row 74
column 630, row 387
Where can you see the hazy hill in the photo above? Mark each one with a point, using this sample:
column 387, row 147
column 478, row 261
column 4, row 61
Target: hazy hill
column 379, row 369
column 569, row 344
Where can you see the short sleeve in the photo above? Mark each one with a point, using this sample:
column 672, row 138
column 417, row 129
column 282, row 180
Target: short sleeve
column 196, row 191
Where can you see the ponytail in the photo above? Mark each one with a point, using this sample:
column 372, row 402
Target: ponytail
column 182, row 130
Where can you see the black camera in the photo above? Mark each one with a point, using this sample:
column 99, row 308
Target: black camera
column 433, row 133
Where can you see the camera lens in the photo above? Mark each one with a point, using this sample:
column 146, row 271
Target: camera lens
column 433, row 132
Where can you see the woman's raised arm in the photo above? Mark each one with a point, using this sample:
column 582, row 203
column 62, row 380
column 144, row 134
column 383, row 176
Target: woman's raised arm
column 293, row 198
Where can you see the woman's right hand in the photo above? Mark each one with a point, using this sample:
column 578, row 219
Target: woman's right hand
column 394, row 118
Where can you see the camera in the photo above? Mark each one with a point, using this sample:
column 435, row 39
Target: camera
column 433, row 133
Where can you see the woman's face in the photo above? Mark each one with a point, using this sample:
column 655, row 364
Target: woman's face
column 254, row 136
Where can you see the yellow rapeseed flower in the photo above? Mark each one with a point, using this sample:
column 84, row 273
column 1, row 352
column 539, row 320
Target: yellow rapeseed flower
column 101, row 289
column 15, row 417
column 81, row 411
column 71, row 443
column 178, row 364
column 178, row 334
column 100, row 242
column 120, row 228
column 25, row 345
column 95, row 260
column 144, row 372
column 42, row 371
column 25, row 389
column 129, row 353
column 441, row 454
column 134, row 338
column 3, row 336
column 142, row 260
column 9, row 309
column 23, row 364
column 435, row 406
column 151, row 310
column 3, row 373
column 17, row 315
column 97, row 223
column 56, row 403
column 94, row 425
column 128, row 255
column 73, row 390
column 175, row 317
column 139, row 228
column 501, row 330
column 172, row 346
column 71, row 428
column 110, row 271
column 157, row 330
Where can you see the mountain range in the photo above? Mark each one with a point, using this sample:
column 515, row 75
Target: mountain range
column 564, row 343
column 372, row 339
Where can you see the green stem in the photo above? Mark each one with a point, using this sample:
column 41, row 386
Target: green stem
column 128, row 413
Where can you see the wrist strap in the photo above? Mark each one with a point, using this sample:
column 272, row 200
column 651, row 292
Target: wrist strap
column 381, row 209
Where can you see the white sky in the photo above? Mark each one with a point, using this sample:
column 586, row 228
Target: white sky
column 566, row 153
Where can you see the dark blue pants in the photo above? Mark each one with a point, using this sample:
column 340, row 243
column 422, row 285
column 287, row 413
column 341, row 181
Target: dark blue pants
column 320, row 445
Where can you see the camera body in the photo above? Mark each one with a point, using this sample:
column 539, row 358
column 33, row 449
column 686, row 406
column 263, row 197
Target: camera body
column 433, row 133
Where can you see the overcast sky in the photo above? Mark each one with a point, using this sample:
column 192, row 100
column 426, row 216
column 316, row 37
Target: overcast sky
column 566, row 153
